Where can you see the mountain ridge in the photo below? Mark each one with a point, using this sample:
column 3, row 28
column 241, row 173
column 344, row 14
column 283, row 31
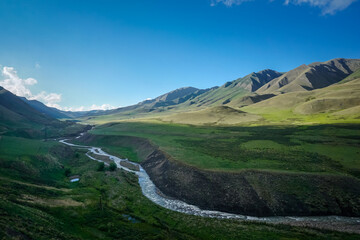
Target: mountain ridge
column 313, row 76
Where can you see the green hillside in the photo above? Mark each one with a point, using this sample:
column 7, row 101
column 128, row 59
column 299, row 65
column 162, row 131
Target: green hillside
column 221, row 115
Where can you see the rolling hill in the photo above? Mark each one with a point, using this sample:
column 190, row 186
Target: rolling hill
column 220, row 115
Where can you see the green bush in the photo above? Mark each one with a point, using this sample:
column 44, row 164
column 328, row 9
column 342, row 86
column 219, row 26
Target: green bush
column 101, row 167
column 112, row 166
column 67, row 172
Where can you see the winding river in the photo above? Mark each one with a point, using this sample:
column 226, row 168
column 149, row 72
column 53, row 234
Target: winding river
column 151, row 192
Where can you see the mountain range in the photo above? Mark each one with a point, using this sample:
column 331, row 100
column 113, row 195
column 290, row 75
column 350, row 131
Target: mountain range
column 261, row 94
column 326, row 87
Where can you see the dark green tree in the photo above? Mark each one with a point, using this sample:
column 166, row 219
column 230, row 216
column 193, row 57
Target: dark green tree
column 112, row 166
column 101, row 167
column 67, row 172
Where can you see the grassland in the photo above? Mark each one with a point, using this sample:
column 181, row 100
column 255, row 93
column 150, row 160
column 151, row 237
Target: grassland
column 325, row 149
column 39, row 202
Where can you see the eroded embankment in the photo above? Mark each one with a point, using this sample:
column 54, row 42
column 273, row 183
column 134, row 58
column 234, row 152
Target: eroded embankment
column 251, row 192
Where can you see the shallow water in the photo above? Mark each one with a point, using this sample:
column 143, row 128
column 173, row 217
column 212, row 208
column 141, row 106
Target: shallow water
column 75, row 180
column 151, row 192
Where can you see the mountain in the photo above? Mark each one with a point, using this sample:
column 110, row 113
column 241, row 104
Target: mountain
column 15, row 111
column 186, row 98
column 232, row 91
column 262, row 88
column 59, row 114
column 18, row 118
column 49, row 111
column 174, row 97
column 160, row 103
column 254, row 81
column 338, row 102
column 351, row 77
column 313, row 76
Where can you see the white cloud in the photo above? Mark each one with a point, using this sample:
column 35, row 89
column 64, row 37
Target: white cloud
column 102, row 107
column 72, row 109
column 228, row 3
column 15, row 84
column 30, row 81
column 92, row 107
column 18, row 86
column 50, row 99
column 327, row 6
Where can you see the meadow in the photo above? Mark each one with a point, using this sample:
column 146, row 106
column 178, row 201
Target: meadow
column 320, row 149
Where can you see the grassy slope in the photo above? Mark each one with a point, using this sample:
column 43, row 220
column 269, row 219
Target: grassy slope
column 44, row 205
column 221, row 115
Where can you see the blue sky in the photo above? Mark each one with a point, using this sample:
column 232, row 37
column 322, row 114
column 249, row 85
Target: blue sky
column 75, row 54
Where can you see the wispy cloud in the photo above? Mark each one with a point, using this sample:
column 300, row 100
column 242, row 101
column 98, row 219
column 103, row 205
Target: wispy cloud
column 327, row 6
column 228, row 3
column 101, row 107
column 92, row 107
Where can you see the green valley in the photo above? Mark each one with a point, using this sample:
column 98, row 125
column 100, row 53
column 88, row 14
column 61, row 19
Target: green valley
column 268, row 144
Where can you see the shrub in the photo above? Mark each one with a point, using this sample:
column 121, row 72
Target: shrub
column 101, row 167
column 67, row 172
column 112, row 166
